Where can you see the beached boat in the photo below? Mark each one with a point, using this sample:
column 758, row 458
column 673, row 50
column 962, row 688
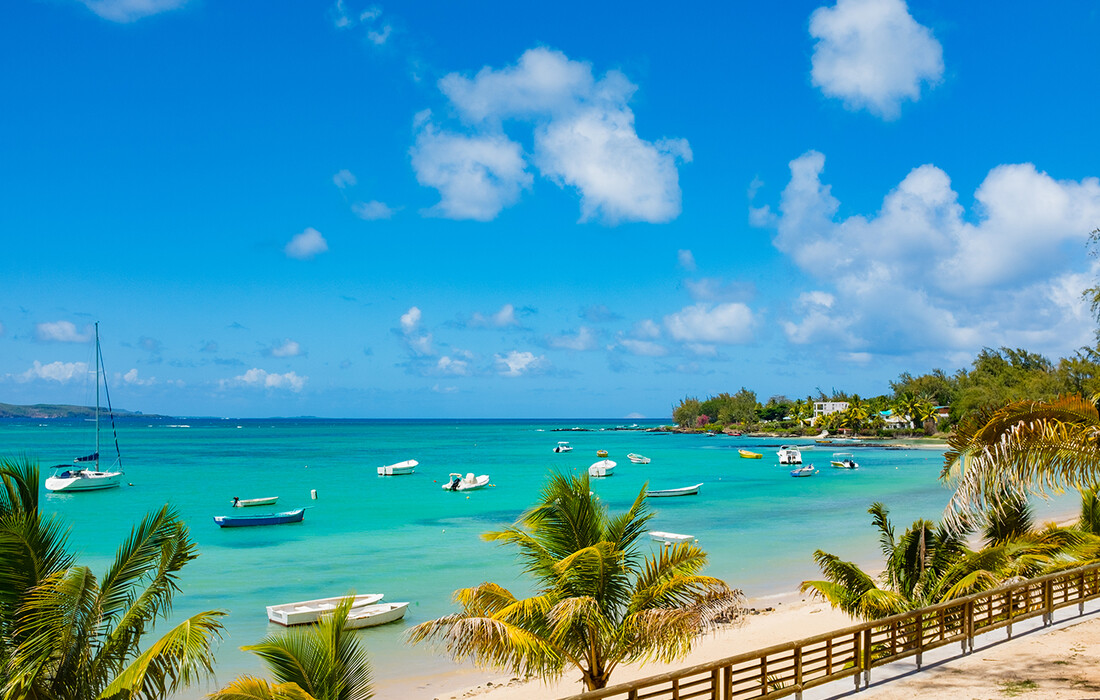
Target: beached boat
column 749, row 454
column 248, row 502
column 669, row 537
column 601, row 453
column 290, row 516
column 398, row 469
column 684, row 491
column 808, row 470
column 789, row 454
column 80, row 476
column 844, row 460
column 374, row 615
column 307, row 611
column 638, row 459
column 563, row 447
column 457, row 482
column 605, row 467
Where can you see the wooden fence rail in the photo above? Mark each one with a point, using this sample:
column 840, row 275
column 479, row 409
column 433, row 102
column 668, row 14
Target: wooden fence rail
column 788, row 669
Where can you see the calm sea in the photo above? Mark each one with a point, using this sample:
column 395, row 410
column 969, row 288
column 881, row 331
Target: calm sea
column 406, row 537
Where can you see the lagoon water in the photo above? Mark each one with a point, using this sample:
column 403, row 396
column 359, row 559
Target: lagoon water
column 408, row 538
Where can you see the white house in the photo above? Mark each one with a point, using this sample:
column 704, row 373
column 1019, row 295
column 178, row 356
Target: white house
column 824, row 408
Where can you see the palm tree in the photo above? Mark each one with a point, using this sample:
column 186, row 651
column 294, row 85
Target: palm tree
column 598, row 603
column 66, row 634
column 323, row 662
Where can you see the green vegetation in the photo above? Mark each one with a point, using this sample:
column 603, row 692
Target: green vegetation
column 598, row 603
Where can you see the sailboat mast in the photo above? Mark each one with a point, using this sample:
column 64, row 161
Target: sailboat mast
column 97, row 395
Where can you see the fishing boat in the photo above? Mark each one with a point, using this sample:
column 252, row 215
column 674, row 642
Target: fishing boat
column 808, row 470
column 601, row 453
column 374, row 615
column 749, row 454
column 457, row 482
column 684, row 491
column 248, row 502
column 844, row 460
column 605, row 467
column 307, row 611
column 398, row 469
column 85, row 474
column 669, row 537
column 789, row 454
column 563, row 447
column 290, row 516
column 638, row 459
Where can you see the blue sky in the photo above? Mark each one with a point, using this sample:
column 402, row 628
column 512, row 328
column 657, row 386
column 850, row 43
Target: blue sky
column 352, row 209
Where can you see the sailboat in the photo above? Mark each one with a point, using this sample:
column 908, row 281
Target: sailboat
column 86, row 475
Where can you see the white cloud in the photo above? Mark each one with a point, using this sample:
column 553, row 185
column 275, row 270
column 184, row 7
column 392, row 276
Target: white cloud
column 725, row 324
column 583, row 132
column 516, row 363
column 872, row 54
column 410, row 319
column 133, row 379
column 373, row 210
column 344, row 179
column 450, row 365
column 477, row 176
column 418, row 344
column 289, row 348
column 714, row 289
column 256, row 377
column 645, row 348
column 439, row 389
column 378, row 37
column 647, row 328
column 61, row 372
column 504, row 318
column 584, row 339
column 124, row 11
column 62, row 332
column 307, row 244
column 686, row 260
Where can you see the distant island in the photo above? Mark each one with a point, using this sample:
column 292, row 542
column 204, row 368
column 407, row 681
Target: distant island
column 49, row 411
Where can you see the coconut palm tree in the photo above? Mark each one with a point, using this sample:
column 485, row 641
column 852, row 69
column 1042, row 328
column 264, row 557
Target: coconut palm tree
column 598, row 601
column 321, row 662
column 64, row 633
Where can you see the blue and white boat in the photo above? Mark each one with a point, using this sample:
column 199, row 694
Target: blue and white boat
column 808, row 470
column 290, row 516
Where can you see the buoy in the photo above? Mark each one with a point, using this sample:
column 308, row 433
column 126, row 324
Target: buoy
column 313, row 494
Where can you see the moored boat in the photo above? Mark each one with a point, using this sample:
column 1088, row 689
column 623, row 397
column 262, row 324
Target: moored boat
column 601, row 453
column 638, row 459
column 290, row 516
column 398, row 469
column 669, row 537
column 248, row 502
column 605, row 467
column 844, row 460
column 789, row 454
column 563, row 447
column 808, row 470
column 307, row 611
column 374, row 615
column 749, row 454
column 684, row 491
column 457, row 482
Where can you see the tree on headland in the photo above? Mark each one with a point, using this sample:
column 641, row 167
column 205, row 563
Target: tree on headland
column 66, row 634
column 598, row 603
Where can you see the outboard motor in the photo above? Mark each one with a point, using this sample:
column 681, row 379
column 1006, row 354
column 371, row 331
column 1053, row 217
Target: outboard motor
column 454, row 484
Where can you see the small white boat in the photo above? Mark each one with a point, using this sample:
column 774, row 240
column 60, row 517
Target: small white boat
column 457, row 482
column 808, row 470
column 374, row 615
column 398, row 469
column 307, row 611
column 788, row 454
column 669, row 537
column 844, row 460
column 638, row 459
column 605, row 467
column 563, row 447
column 685, row 491
column 247, row 502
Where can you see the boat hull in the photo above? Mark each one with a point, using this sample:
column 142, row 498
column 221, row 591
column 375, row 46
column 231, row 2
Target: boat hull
column 669, row 493
column 638, row 459
column 469, row 483
column 251, row 502
column 747, row 454
column 604, row 467
column 84, row 480
column 804, row 471
column 291, row 516
column 669, row 537
column 374, row 615
column 399, row 469
column 306, row 611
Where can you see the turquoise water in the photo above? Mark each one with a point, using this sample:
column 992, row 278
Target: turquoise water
column 408, row 538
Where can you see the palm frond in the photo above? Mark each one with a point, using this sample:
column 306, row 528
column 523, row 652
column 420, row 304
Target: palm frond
column 252, row 688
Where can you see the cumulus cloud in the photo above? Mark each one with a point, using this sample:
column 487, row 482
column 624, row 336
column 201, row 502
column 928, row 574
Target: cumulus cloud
column 686, row 260
column 419, row 344
column 644, row 348
column 725, row 324
column 124, row 11
column 62, row 332
column 288, row 348
column 344, row 179
column 259, row 378
column 873, row 55
column 583, row 134
column 583, row 339
column 306, row 245
column 516, row 363
column 504, row 318
column 372, row 210
column 452, row 365
column 60, row 372
column 922, row 273
column 133, row 379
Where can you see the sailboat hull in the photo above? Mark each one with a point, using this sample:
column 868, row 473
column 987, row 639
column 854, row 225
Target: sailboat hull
column 84, row 480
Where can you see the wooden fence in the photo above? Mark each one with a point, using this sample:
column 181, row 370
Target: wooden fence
column 788, row 669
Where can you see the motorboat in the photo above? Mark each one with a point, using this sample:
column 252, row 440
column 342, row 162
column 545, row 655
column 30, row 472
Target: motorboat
column 638, row 459
column 249, row 502
column 844, row 460
column 563, row 447
column 457, row 482
column 601, row 453
column 605, row 467
column 398, row 469
column 749, row 454
column 789, row 454
column 684, row 491
column 808, row 470
column 307, row 611
column 290, row 516
column 85, row 474
column 374, row 615
column 669, row 537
